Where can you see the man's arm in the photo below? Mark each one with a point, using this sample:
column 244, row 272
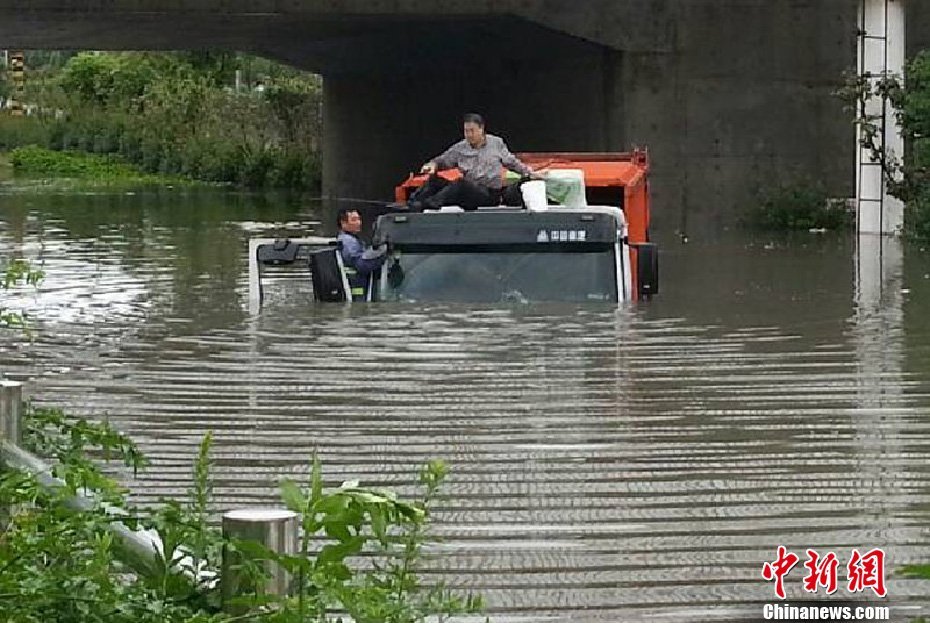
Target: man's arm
column 446, row 160
column 355, row 256
column 512, row 162
column 371, row 260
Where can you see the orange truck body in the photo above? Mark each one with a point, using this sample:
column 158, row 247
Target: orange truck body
column 611, row 178
column 617, row 179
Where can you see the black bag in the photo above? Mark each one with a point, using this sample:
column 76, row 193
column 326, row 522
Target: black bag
column 327, row 276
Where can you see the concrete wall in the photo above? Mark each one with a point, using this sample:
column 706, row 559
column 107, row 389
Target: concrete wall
column 918, row 31
column 744, row 101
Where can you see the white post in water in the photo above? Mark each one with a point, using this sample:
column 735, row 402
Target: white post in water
column 11, row 425
column 11, row 412
column 881, row 51
column 276, row 529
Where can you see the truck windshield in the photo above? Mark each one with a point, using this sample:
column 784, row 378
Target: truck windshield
column 501, row 276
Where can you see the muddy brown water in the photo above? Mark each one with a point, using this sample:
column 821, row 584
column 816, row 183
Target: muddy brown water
column 606, row 464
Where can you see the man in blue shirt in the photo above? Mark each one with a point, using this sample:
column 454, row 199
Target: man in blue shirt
column 360, row 263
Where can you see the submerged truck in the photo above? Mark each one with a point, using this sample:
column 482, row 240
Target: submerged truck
column 596, row 250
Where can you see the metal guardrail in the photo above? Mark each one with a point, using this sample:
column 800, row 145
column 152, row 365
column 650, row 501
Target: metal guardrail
column 141, row 550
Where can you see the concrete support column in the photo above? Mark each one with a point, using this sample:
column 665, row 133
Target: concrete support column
column 373, row 132
column 881, row 51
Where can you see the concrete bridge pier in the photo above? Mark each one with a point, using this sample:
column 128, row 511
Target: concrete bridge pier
column 379, row 126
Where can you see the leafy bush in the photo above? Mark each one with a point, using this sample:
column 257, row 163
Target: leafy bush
column 63, row 566
column 800, row 206
column 168, row 114
column 18, row 131
column 107, row 79
column 354, row 522
column 359, row 553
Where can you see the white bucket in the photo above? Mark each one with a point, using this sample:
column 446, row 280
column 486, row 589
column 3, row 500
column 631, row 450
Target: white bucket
column 534, row 195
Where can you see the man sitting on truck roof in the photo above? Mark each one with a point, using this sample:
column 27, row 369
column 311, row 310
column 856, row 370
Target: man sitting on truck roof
column 359, row 262
column 479, row 156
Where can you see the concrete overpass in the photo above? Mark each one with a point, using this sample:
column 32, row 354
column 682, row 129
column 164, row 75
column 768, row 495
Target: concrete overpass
column 727, row 94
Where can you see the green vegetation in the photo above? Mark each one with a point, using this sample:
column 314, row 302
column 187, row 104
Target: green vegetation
column 359, row 554
column 800, row 206
column 907, row 175
column 177, row 114
column 921, row 572
column 12, row 274
column 91, row 169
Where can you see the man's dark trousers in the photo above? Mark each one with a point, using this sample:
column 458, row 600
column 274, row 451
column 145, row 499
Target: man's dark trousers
column 438, row 192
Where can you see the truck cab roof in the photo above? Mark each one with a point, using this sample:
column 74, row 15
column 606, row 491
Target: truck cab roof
column 501, row 226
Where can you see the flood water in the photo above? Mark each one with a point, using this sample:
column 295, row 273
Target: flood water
column 607, row 464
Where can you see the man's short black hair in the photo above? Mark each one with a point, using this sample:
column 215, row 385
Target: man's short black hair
column 343, row 215
column 473, row 117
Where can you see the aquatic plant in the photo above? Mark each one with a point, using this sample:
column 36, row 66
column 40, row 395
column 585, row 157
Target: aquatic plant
column 91, row 170
column 13, row 273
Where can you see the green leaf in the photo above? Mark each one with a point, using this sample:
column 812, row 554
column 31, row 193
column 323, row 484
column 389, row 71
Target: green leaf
column 316, row 480
column 253, row 549
column 339, row 571
column 364, row 496
column 337, row 552
column 411, row 512
column 293, row 497
column 332, row 504
column 378, row 523
column 294, row 564
column 336, row 529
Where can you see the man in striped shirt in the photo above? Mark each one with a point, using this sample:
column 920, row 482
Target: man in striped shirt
column 480, row 157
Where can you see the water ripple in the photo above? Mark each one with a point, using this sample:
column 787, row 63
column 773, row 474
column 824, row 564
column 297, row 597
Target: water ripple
column 607, row 465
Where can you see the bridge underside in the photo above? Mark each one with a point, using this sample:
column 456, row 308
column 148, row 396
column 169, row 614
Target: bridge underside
column 728, row 96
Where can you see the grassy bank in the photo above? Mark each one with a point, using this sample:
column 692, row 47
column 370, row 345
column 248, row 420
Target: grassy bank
column 36, row 167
